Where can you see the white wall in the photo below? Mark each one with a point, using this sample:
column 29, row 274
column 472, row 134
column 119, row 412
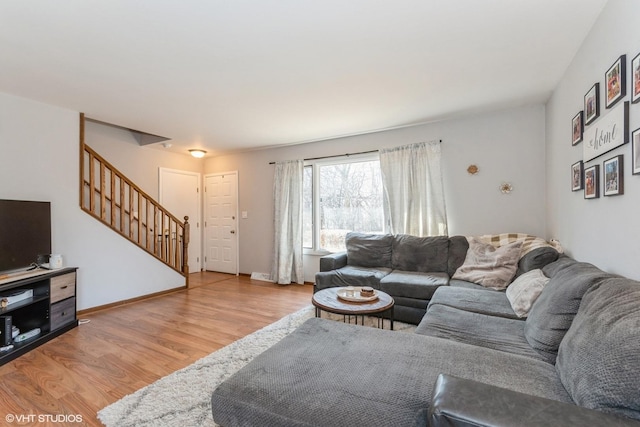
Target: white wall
column 505, row 145
column 603, row 231
column 138, row 163
column 39, row 161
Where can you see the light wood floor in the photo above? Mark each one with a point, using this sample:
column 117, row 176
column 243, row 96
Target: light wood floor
column 125, row 348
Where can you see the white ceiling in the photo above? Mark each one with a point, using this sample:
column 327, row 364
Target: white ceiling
column 229, row 75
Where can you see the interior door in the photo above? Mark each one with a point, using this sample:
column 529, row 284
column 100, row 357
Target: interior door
column 180, row 194
column 221, row 223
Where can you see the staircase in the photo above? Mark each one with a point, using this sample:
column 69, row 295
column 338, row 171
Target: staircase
column 113, row 199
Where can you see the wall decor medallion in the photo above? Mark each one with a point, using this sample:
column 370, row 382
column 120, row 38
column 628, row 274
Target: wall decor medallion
column 610, row 132
column 613, row 176
column 577, row 128
column 472, row 170
column 591, row 182
column 635, row 79
column 506, row 188
column 577, row 174
column 592, row 104
column 616, row 81
column 635, row 152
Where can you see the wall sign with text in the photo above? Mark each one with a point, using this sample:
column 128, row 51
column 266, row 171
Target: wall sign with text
column 607, row 133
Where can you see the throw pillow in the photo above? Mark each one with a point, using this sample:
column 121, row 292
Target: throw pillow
column 525, row 290
column 490, row 266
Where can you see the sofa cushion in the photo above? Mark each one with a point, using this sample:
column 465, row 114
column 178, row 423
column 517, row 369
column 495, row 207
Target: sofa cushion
column 351, row 276
column 476, row 329
column 350, row 375
column 455, row 283
column 536, row 259
column 552, row 314
column 599, row 357
column 490, row 266
column 525, row 290
column 409, row 310
column 369, row 250
column 458, row 247
column 560, row 264
column 483, row 301
column 423, row 254
column 412, row 284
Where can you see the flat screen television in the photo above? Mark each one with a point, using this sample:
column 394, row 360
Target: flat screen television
column 25, row 233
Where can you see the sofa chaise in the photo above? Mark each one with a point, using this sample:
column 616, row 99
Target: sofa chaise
column 573, row 360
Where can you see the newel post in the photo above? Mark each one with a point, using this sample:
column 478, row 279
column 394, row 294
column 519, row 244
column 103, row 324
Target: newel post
column 185, row 250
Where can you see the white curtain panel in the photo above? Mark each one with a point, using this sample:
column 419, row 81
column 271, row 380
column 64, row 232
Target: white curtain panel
column 413, row 189
column 287, row 252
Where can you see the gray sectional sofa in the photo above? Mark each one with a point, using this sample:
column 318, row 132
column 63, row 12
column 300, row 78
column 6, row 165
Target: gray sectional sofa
column 408, row 268
column 573, row 361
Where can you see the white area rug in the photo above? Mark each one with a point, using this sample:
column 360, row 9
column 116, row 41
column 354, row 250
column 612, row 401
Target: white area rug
column 183, row 398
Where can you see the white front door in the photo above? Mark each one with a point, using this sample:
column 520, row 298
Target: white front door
column 180, row 194
column 221, row 223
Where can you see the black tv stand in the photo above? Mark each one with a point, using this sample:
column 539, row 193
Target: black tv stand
column 51, row 308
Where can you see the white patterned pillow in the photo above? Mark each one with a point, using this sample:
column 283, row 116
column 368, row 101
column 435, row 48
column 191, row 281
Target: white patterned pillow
column 490, row 266
column 525, row 290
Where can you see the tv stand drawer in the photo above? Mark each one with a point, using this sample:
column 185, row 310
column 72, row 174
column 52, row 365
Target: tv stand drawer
column 63, row 287
column 63, row 313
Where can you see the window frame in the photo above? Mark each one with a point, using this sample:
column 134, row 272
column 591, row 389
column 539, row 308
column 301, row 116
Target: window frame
column 315, row 190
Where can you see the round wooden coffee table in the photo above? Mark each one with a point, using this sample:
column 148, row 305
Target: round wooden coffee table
column 327, row 300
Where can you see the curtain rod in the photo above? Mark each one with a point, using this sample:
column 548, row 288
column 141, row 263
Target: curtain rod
column 338, row 155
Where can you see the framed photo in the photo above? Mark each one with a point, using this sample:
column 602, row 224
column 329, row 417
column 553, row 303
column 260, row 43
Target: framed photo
column 616, row 80
column 591, row 182
column 613, row 176
column 576, row 176
column 592, row 104
column 635, row 79
column 635, row 152
column 577, row 128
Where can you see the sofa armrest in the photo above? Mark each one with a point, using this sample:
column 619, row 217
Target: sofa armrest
column 461, row 402
column 333, row 261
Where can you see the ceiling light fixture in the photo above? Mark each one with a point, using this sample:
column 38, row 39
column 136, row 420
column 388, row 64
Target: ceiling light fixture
column 198, row 154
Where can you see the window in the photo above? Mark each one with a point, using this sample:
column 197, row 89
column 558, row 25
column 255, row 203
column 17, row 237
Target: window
column 341, row 196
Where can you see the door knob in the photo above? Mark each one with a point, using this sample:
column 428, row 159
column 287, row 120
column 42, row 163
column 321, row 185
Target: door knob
column 233, row 232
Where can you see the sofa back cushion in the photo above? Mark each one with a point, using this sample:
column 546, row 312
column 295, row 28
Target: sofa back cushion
column 554, row 310
column 458, row 247
column 599, row 357
column 421, row 254
column 561, row 263
column 369, row 250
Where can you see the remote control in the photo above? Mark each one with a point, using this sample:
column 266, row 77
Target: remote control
column 30, row 334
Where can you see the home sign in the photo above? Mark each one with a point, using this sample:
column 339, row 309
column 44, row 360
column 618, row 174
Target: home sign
column 609, row 132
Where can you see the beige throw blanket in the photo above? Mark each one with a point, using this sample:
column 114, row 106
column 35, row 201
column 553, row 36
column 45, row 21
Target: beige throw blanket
column 529, row 242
